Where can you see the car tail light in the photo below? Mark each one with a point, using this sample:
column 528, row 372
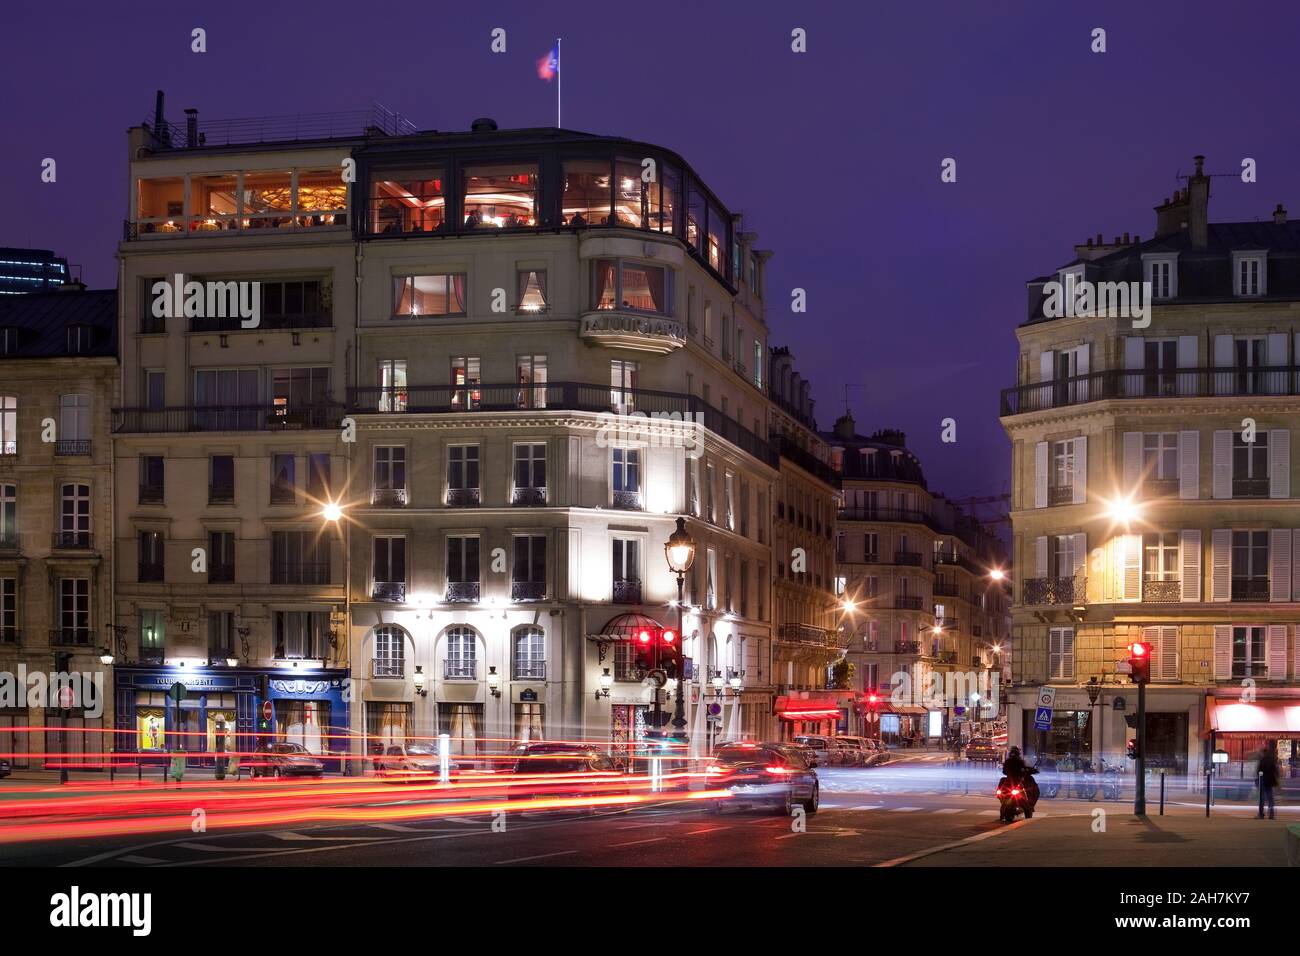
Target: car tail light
column 777, row 771
column 713, row 769
column 1015, row 791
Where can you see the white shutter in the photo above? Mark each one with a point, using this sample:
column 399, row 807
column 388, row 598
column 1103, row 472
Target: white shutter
column 1131, row 585
column 1295, row 569
column 1276, row 651
column 1040, row 474
column 1279, row 565
column 1223, row 652
column 1222, row 464
column 1134, row 352
column 1046, row 366
column 1053, row 653
column 1221, row 565
column 1079, row 548
column 1164, row 643
column 1040, row 557
column 1187, row 350
column 1067, row 653
column 1223, row 361
column 1132, row 462
column 1081, row 470
column 1189, row 465
column 1279, row 463
column 1190, row 557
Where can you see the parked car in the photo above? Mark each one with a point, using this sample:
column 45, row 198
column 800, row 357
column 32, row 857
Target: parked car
column 879, row 752
column 983, row 750
column 809, row 755
column 828, row 755
column 411, row 761
column 286, row 760
column 584, row 772
column 855, row 750
column 5, row 767
column 769, row 775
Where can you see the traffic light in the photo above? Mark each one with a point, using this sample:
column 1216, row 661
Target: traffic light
column 671, row 653
column 1131, row 751
column 644, row 651
column 1139, row 659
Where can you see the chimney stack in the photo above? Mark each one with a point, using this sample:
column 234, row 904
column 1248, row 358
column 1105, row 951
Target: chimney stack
column 1198, row 191
column 191, row 127
column 1279, row 215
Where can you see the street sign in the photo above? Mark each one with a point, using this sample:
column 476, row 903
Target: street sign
column 658, row 676
column 1047, row 697
column 266, row 710
column 1219, row 756
column 1043, row 718
column 177, row 692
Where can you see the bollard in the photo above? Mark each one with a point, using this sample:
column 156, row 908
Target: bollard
column 1259, row 784
column 1162, row 793
column 1209, row 789
column 444, row 758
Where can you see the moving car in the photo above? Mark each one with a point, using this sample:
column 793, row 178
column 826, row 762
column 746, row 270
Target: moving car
column 412, row 761
column 984, row 750
column 5, row 768
column 769, row 775
column 286, row 760
column 571, row 770
column 823, row 747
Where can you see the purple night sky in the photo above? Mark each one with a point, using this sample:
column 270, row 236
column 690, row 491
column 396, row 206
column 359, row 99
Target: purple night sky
column 914, row 286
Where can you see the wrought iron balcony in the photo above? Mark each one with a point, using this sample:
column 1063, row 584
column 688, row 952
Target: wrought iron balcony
column 1162, row 592
column 459, row 669
column 907, row 602
column 1060, row 495
column 912, row 558
column 10, row 635
column 627, row 500
column 151, row 494
column 627, row 592
column 529, row 670
column 300, row 572
column 394, row 591
column 527, row 590
column 1250, row 487
column 528, row 497
column 1250, row 589
column 151, row 655
column 227, row 418
column 8, row 540
column 463, row 497
column 463, row 592
column 65, row 447
column 1202, row 382
column 388, row 668
column 1038, row 592
column 810, row 635
column 1160, row 487
column 944, row 590
column 388, row 498
column 299, row 320
column 223, row 573
column 70, row 635
column 907, row 647
column 948, row 623
column 74, row 541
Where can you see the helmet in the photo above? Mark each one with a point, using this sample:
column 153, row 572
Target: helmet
column 1014, row 752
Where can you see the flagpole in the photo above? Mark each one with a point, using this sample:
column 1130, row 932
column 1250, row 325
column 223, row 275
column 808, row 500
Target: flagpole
column 559, row 82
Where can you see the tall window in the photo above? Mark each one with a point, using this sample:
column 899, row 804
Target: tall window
column 465, row 382
column 74, row 425
column 8, row 516
column 429, row 295
column 1160, row 285
column 74, row 610
column 318, row 477
column 392, row 385
column 531, row 286
column 627, row 571
column 228, row 398
column 221, row 479
column 390, row 476
column 299, row 557
column 8, row 610
column 408, row 200
column 1248, row 273
column 711, row 580
column 1060, row 653
column 1063, row 557
column 283, row 479
column 299, row 389
column 152, row 479
column 462, row 654
column 1160, row 456
column 1250, row 465
column 153, row 635
column 151, row 556
column 632, row 286
column 389, row 569
column 1250, row 566
column 528, row 573
column 221, row 557
column 155, row 389
column 301, row 635
column 74, row 517
column 462, row 568
column 390, row 652
column 622, row 385
column 626, row 480
column 1061, row 490
column 499, row 196
column 462, row 475
column 530, row 372
column 1161, row 557
column 1249, row 654
column 221, row 635
column 529, row 653
column 530, row 474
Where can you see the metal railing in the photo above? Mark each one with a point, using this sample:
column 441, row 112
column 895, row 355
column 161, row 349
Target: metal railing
column 529, row 670
column 627, row 592
column 388, row 498
column 527, row 590
column 74, row 541
column 1250, row 589
column 907, row 647
column 221, row 573
column 893, row 515
column 66, row 447
column 528, row 497
column 806, row 460
column 288, row 128
column 388, row 667
column 227, row 418
column 810, row 634
column 10, row 635
column 234, row 323
column 70, row 635
column 459, row 669
column 1250, row 488
column 1201, row 382
column 9, row 541
column 1060, row 495
column 1162, row 592
column 221, row 494
column 151, row 494
column 912, row 558
column 907, row 602
column 150, row 573
column 627, row 500
column 463, row 592
column 1045, row 591
column 463, row 497
column 389, row 591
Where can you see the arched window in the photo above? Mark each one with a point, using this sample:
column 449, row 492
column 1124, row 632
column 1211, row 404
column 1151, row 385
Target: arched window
column 529, row 653
column 712, row 660
column 461, row 659
column 390, row 652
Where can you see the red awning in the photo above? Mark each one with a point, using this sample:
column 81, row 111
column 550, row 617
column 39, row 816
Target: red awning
column 907, row 710
column 809, row 708
column 1280, row 717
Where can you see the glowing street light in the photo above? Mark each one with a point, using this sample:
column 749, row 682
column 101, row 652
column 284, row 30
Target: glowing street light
column 331, row 511
column 997, row 574
column 1122, row 511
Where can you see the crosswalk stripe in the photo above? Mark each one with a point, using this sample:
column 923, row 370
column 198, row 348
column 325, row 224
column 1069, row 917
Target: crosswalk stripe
column 903, row 809
column 949, row 810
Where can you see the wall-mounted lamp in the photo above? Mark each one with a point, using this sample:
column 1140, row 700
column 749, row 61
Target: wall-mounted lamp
column 105, row 656
column 606, row 682
column 418, row 678
column 494, row 682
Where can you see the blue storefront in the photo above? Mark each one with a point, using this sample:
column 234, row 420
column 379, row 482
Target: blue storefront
column 224, row 710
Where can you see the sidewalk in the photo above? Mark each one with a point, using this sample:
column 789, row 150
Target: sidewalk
column 1180, row 841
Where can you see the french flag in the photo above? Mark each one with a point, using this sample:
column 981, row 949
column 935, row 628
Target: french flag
column 549, row 65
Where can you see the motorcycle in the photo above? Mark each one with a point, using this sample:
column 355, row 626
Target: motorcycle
column 1017, row 796
column 1051, row 782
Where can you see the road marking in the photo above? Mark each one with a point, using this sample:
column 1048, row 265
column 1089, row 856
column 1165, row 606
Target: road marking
column 903, row 809
column 141, row 860
column 540, row 856
column 988, row 813
column 868, row 806
column 396, row 828
column 706, row 830
column 291, row 835
column 213, row 848
column 899, row 860
column 950, row 810
column 639, row 842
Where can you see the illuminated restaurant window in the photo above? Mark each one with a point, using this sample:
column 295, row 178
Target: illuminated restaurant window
column 160, row 206
column 670, row 199
column 633, row 198
column 586, row 192
column 695, row 213
column 214, row 202
column 630, row 285
column 408, row 200
column 268, row 199
column 719, row 241
column 532, row 290
column 429, row 295
column 322, row 197
column 501, row 196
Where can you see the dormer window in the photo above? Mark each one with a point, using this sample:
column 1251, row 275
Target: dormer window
column 1161, row 271
column 1249, row 274
column 79, row 339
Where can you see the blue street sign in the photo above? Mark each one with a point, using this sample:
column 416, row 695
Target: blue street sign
column 1043, row 718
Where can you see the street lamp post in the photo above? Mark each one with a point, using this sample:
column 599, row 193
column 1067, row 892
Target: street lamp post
column 679, row 552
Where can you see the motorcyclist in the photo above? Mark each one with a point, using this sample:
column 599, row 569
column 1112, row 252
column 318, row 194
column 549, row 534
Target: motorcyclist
column 1016, row 770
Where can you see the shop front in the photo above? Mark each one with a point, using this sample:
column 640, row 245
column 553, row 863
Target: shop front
column 818, row 712
column 223, row 710
column 1244, row 728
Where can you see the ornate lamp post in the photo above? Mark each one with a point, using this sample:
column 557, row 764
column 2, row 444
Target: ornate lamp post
column 679, row 551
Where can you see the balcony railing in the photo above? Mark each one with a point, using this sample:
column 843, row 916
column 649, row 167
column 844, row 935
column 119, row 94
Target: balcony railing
column 960, row 561
column 394, row 591
column 65, row 447
column 944, row 590
column 150, row 573
column 806, row 460
column 529, row 670
column 1203, row 382
column 528, row 497
column 227, row 418
column 627, row 592
column 388, row 498
column 463, row 592
column 1045, row 591
column 388, row 668
column 891, row 515
column 628, row 501
column 527, row 590
column 907, row 647
column 1060, row 495
column 1250, row 487
column 74, row 541
column 463, row 497
column 912, row 558
column 300, row 572
column 460, row 669
column 1162, row 592
column 302, row 320
column 811, row 635
column 151, row 494
column 907, row 602
column 221, row 573
column 567, row 396
column 948, row 623
column 70, row 635
column 1160, row 487
column 1250, row 589
column 8, row 540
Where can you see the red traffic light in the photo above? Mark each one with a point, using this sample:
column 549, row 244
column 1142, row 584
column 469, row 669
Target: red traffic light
column 644, row 637
column 1138, row 649
column 670, row 636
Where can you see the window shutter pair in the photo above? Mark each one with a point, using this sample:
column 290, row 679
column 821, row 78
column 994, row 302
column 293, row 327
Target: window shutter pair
column 1042, row 471
column 1279, row 463
column 1164, row 645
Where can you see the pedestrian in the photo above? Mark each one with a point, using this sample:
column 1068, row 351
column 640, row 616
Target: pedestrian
column 1269, row 777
